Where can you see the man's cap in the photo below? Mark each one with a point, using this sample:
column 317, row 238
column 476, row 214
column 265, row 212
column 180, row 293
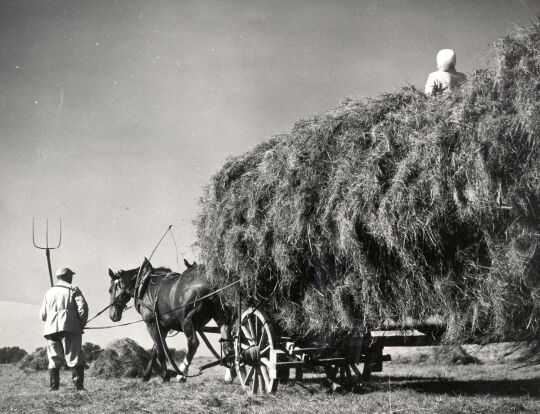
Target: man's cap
column 64, row 271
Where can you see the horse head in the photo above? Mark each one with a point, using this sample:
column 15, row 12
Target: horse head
column 122, row 288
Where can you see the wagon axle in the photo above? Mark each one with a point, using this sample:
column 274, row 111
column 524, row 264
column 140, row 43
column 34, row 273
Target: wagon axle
column 251, row 356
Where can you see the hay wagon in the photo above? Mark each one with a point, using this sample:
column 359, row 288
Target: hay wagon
column 263, row 359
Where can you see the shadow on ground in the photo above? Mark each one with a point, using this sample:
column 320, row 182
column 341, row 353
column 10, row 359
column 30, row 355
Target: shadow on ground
column 506, row 387
column 438, row 385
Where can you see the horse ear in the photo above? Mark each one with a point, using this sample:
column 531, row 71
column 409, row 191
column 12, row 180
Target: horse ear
column 146, row 264
column 187, row 263
column 111, row 274
column 194, row 263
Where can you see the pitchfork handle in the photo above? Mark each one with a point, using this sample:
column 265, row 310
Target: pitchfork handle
column 48, row 254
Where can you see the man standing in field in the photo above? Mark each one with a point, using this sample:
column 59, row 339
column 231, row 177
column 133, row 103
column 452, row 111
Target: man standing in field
column 65, row 312
column 446, row 78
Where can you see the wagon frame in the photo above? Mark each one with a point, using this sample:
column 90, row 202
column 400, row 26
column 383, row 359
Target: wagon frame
column 263, row 359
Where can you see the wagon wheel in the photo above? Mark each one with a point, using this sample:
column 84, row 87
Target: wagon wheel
column 253, row 344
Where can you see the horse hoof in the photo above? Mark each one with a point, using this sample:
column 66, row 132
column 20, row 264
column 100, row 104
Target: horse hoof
column 146, row 378
column 181, row 378
column 228, row 381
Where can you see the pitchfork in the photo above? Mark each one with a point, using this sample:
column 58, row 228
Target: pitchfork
column 47, row 248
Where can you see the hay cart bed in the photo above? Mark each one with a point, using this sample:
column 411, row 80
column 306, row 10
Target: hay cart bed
column 263, row 359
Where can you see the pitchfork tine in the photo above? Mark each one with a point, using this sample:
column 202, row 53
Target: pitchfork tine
column 47, row 248
column 46, row 236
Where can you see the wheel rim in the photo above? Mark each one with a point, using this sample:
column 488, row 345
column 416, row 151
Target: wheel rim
column 253, row 345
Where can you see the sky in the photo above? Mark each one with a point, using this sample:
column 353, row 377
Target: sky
column 115, row 114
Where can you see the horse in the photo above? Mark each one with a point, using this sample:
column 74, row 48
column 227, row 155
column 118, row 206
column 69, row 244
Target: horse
column 170, row 301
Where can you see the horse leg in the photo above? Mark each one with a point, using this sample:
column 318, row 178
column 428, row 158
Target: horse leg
column 158, row 346
column 230, row 372
column 192, row 344
column 223, row 320
column 148, row 371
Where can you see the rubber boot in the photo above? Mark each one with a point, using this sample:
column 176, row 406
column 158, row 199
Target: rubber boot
column 54, row 379
column 77, row 375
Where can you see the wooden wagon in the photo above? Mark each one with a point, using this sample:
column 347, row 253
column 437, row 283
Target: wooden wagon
column 263, row 359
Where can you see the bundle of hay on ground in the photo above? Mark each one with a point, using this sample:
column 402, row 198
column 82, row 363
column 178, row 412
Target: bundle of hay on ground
column 91, row 352
column 36, row 361
column 395, row 207
column 121, row 358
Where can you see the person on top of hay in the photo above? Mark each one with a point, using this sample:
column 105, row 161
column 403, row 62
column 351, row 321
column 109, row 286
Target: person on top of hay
column 446, row 78
column 65, row 313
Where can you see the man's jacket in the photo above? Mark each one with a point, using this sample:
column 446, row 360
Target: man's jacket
column 64, row 309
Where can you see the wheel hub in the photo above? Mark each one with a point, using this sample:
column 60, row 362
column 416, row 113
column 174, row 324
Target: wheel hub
column 252, row 355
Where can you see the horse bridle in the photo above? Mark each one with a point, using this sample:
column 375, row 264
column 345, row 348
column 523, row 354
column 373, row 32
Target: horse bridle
column 124, row 292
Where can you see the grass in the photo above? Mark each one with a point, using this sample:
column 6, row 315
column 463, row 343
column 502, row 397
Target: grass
column 400, row 388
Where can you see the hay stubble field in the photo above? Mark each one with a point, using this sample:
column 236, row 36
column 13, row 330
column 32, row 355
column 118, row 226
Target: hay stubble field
column 405, row 386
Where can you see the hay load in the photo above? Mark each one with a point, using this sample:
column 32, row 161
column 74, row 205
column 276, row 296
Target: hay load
column 121, row 358
column 392, row 208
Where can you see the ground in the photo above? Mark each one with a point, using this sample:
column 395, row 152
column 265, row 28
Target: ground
column 405, row 386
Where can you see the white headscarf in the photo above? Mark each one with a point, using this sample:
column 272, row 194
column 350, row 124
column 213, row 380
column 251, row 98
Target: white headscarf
column 446, row 59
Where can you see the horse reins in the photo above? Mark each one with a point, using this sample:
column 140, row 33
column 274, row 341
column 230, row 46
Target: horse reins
column 113, row 303
column 154, row 310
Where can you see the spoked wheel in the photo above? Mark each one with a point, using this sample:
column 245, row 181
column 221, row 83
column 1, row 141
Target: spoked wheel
column 253, row 344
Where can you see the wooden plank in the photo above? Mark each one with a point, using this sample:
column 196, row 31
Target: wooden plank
column 277, row 357
column 322, row 361
column 289, row 364
column 356, row 371
column 313, row 350
column 410, row 324
column 218, row 362
column 315, row 362
column 210, row 329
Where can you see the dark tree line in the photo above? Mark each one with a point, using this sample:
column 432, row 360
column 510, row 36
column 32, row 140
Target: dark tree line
column 37, row 360
column 11, row 354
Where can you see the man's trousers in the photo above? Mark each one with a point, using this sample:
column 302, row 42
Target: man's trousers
column 64, row 346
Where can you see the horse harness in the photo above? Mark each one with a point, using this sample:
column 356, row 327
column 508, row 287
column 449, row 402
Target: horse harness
column 141, row 290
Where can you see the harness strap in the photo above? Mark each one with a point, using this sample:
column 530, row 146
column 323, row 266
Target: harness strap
column 164, row 345
column 169, row 311
column 209, row 345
